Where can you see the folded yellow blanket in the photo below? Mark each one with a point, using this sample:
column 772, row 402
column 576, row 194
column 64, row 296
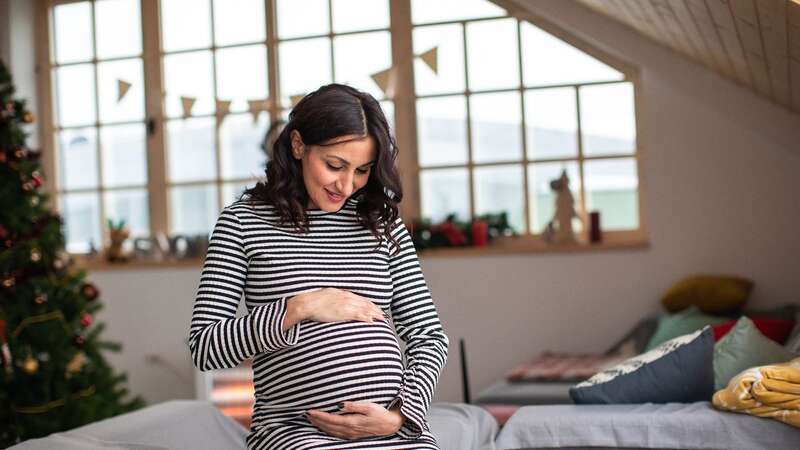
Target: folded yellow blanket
column 771, row 391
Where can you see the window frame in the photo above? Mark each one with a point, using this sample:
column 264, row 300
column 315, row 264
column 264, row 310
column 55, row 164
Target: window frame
column 405, row 121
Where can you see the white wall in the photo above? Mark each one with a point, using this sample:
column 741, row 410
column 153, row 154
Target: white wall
column 721, row 169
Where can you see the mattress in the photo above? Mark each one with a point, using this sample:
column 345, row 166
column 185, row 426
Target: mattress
column 685, row 426
column 198, row 425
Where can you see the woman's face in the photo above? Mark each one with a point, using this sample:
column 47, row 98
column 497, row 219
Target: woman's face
column 332, row 173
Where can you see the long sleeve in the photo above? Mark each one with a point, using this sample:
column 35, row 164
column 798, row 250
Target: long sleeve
column 418, row 324
column 218, row 339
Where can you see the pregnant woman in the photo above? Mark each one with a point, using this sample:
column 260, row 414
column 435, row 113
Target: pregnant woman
column 324, row 263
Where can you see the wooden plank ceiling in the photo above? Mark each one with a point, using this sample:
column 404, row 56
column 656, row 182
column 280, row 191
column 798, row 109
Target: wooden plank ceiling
column 755, row 43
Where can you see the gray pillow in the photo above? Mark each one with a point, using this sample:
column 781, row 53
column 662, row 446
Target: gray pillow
column 679, row 370
column 793, row 343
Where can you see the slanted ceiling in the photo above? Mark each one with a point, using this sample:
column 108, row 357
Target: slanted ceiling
column 755, row 43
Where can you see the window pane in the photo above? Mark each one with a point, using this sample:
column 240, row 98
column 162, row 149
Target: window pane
column 131, row 106
column 354, row 15
column 75, row 95
column 81, row 213
column 240, row 140
column 191, row 149
column 131, row 206
column 442, row 130
column 541, row 197
column 77, row 158
column 193, row 209
column 496, row 127
column 73, row 32
column 185, row 24
column 124, row 148
column 499, row 189
column 549, row 60
column 612, row 188
column 492, row 57
column 189, row 75
column 304, row 66
column 445, row 192
column 388, row 110
column 608, row 122
column 232, row 191
column 425, row 11
column 302, row 18
column 552, row 123
column 449, row 41
column 239, row 21
column 238, row 84
column 119, row 31
column 353, row 68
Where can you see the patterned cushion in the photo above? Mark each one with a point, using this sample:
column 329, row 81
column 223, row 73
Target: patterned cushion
column 563, row 367
column 679, row 370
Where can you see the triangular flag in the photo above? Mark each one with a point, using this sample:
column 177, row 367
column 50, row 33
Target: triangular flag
column 122, row 89
column 430, row 58
column 386, row 80
column 295, row 99
column 187, row 103
column 256, row 106
column 223, row 108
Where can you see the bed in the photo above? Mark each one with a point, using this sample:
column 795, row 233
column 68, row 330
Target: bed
column 686, row 426
column 198, row 425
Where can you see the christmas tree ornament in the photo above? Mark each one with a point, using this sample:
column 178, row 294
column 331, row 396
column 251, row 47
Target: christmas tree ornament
column 89, row 291
column 9, row 281
column 34, row 201
column 36, row 254
column 28, row 117
column 3, row 157
column 40, row 298
column 79, row 340
column 27, row 186
column 36, row 179
column 19, row 153
column 10, row 106
column 30, row 365
column 86, row 320
column 76, row 363
column 3, row 232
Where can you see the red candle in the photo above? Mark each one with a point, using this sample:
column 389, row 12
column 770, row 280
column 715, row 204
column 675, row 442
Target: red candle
column 480, row 233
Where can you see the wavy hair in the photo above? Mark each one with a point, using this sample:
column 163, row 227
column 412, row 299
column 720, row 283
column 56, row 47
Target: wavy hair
column 332, row 111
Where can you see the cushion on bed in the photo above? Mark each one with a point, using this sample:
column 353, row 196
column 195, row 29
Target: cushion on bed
column 679, row 370
column 646, row 426
column 550, row 366
column 793, row 343
column 776, row 329
column 687, row 321
column 744, row 347
column 713, row 294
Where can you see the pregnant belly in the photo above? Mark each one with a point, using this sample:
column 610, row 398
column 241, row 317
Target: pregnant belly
column 332, row 362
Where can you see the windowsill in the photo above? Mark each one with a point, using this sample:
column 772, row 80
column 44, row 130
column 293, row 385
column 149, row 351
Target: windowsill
column 509, row 245
column 503, row 245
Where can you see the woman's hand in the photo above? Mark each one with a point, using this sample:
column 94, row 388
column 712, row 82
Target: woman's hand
column 333, row 305
column 368, row 420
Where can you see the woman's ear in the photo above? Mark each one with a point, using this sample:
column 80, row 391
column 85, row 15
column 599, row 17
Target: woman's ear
column 298, row 148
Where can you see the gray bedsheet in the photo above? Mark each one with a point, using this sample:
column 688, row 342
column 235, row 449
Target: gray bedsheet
column 695, row 426
column 198, row 425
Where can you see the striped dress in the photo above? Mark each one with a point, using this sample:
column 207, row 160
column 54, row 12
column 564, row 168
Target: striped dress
column 316, row 365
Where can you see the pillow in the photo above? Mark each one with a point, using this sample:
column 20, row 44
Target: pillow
column 776, row 329
column 566, row 367
column 679, row 370
column 713, row 294
column 674, row 325
column 742, row 348
column 793, row 343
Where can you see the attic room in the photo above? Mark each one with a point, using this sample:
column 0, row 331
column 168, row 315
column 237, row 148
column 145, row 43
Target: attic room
column 592, row 208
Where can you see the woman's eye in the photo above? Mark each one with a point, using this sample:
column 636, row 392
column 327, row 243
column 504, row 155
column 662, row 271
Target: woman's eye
column 333, row 167
column 363, row 170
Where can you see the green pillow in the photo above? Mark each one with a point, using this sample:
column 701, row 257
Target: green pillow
column 742, row 348
column 687, row 321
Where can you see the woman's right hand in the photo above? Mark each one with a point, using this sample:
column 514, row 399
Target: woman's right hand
column 333, row 305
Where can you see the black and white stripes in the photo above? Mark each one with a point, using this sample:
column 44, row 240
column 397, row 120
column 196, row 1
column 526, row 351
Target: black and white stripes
column 316, row 365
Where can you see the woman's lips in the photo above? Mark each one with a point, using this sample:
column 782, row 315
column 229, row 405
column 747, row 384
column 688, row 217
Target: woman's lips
column 332, row 197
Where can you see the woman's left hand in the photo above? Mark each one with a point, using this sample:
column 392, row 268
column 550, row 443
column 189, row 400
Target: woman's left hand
column 368, row 420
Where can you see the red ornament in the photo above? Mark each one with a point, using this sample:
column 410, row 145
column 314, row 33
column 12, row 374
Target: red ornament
column 3, row 232
column 37, row 181
column 3, row 157
column 89, row 291
column 86, row 319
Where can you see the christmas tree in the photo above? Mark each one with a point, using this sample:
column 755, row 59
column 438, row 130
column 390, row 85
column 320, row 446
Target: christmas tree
column 52, row 374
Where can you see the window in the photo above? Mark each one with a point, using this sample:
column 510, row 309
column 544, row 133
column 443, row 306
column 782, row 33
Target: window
column 160, row 107
column 509, row 109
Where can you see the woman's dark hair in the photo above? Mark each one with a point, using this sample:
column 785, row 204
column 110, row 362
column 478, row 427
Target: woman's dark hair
column 332, row 111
